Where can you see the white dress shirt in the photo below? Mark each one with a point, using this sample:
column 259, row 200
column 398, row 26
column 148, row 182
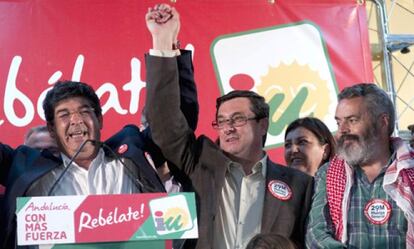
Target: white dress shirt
column 105, row 176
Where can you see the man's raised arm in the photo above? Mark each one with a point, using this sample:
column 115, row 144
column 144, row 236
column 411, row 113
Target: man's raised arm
column 169, row 127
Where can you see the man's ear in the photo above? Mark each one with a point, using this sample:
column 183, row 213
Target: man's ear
column 51, row 129
column 384, row 121
column 264, row 123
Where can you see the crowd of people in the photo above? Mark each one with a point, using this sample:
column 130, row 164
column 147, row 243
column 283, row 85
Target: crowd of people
column 354, row 190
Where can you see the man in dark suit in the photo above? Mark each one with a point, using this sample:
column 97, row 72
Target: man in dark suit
column 74, row 119
column 239, row 191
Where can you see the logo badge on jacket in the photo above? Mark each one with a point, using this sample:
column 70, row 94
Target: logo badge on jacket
column 122, row 148
column 280, row 190
column 378, row 211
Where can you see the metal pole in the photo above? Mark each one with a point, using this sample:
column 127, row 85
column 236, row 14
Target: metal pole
column 387, row 59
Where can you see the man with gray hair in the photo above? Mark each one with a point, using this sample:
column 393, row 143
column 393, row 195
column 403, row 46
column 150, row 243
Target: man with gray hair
column 39, row 138
column 364, row 197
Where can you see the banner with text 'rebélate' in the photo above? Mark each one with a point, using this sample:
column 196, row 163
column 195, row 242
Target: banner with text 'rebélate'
column 135, row 219
column 298, row 54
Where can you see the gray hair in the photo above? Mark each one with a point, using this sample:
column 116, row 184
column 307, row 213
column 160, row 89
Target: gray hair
column 36, row 129
column 377, row 101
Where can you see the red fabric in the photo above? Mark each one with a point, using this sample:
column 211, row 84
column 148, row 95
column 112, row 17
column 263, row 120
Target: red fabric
column 335, row 188
column 410, row 176
column 336, row 184
column 111, row 56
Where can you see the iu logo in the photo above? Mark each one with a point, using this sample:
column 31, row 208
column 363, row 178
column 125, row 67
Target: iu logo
column 171, row 215
column 288, row 65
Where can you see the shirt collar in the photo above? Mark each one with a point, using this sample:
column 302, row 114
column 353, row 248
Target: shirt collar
column 260, row 165
column 263, row 165
column 360, row 172
column 98, row 160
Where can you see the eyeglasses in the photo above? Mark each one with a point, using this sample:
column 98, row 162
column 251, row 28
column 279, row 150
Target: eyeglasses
column 236, row 121
column 84, row 113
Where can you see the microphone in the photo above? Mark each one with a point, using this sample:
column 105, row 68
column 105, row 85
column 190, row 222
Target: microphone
column 142, row 188
column 94, row 142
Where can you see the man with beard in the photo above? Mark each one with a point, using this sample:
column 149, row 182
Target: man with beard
column 364, row 196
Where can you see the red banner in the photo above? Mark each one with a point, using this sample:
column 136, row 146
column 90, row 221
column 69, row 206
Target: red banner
column 103, row 43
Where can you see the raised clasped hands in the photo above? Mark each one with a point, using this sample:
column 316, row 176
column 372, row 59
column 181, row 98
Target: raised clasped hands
column 163, row 22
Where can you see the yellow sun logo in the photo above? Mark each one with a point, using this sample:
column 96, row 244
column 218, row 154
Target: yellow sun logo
column 293, row 91
column 176, row 218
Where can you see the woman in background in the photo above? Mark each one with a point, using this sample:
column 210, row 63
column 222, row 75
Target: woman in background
column 308, row 145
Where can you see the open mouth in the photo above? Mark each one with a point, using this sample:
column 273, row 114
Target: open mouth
column 349, row 138
column 77, row 134
column 231, row 139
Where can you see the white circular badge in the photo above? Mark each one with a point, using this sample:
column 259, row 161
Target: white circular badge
column 280, row 190
column 378, row 211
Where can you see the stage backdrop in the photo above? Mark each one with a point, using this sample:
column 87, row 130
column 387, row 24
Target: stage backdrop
column 298, row 54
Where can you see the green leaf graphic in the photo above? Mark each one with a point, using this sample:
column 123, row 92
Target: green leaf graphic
column 291, row 113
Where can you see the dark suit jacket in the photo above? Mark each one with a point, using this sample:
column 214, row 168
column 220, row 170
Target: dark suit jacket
column 20, row 167
column 206, row 164
column 25, row 165
column 190, row 109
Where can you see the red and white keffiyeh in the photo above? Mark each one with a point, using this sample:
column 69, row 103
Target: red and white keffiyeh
column 398, row 184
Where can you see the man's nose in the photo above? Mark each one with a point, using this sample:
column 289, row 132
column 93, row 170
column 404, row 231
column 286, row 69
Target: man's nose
column 294, row 148
column 76, row 118
column 228, row 127
column 343, row 128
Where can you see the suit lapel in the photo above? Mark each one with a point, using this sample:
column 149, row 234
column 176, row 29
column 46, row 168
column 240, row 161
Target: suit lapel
column 271, row 205
column 138, row 167
column 40, row 166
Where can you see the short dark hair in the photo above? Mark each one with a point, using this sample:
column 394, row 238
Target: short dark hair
column 68, row 89
column 377, row 101
column 319, row 129
column 258, row 104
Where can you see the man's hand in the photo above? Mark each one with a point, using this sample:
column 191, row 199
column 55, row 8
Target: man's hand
column 163, row 22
